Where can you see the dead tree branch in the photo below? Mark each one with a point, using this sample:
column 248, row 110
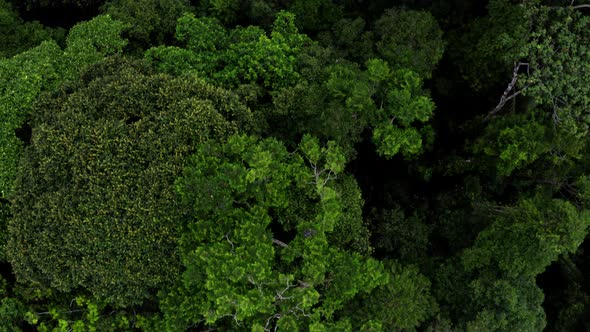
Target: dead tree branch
column 507, row 95
column 280, row 243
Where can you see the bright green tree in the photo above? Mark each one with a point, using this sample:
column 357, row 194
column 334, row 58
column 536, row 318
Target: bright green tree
column 392, row 102
column 557, row 59
column 309, row 93
column 231, row 58
column 250, row 262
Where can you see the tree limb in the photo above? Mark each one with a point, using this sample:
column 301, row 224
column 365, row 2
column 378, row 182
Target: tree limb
column 505, row 96
column 280, row 243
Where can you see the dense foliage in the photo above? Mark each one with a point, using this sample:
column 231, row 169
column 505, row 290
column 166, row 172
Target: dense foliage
column 301, row 165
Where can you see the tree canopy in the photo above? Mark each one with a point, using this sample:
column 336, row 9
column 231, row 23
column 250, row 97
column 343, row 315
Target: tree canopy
column 300, row 165
column 96, row 182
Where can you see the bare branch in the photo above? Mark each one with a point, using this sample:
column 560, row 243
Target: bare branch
column 280, row 243
column 506, row 96
column 297, row 308
column 234, row 316
column 258, row 285
column 62, row 312
column 571, row 5
column 303, row 284
column 281, row 295
column 229, row 241
column 275, row 316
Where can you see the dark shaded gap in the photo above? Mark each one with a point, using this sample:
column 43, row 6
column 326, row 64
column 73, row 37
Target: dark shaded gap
column 62, row 16
column 132, row 119
column 24, row 133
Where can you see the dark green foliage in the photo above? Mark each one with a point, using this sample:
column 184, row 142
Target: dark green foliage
column 226, row 11
column 4, row 217
column 496, row 275
column 24, row 75
column 532, row 151
column 94, row 206
column 409, row 39
column 152, row 22
column 12, row 311
column 31, row 307
column 315, row 15
column 350, row 39
column 569, row 316
column 312, row 15
column 351, row 232
column 568, row 303
column 11, row 314
column 78, row 314
column 406, row 39
column 506, row 304
column 487, row 300
column 514, row 142
column 486, row 49
column 450, row 288
column 507, row 256
column 403, row 303
column 80, row 4
column 17, row 36
column 401, row 236
column 582, row 193
column 526, row 238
